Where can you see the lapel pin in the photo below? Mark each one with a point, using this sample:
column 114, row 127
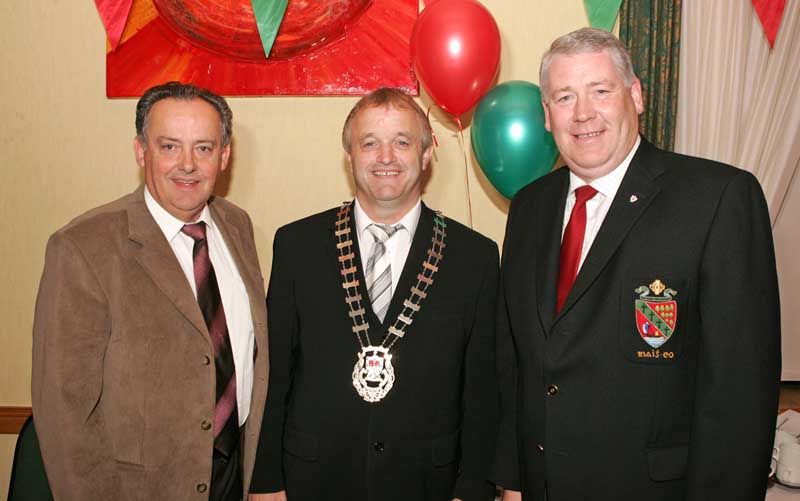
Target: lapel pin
column 634, row 199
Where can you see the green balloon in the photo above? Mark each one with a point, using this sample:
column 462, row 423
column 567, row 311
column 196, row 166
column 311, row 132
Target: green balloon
column 509, row 139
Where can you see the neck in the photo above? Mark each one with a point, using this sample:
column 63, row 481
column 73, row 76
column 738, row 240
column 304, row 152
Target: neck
column 384, row 214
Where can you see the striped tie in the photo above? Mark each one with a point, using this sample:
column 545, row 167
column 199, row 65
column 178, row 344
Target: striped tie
column 226, row 417
column 378, row 271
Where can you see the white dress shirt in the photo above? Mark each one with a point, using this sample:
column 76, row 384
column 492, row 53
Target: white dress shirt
column 596, row 207
column 397, row 246
column 231, row 289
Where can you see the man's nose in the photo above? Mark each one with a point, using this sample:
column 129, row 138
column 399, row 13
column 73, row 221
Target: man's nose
column 187, row 160
column 583, row 110
column 386, row 154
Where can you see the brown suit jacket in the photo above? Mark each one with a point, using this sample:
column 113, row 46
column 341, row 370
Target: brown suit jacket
column 123, row 382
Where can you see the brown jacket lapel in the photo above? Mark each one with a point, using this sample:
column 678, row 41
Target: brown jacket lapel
column 158, row 261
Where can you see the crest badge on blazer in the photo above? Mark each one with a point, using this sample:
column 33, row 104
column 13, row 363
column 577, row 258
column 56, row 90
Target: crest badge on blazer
column 656, row 313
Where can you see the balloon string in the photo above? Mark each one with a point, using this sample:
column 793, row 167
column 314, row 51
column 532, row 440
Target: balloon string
column 466, row 169
column 433, row 133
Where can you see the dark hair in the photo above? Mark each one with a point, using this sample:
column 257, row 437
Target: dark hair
column 386, row 97
column 185, row 92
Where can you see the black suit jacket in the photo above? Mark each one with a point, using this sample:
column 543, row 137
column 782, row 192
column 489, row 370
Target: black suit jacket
column 432, row 436
column 592, row 411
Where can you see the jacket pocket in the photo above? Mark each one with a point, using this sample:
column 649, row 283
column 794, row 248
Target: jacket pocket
column 667, row 463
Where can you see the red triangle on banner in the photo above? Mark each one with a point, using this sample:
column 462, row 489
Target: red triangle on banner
column 114, row 14
column 770, row 12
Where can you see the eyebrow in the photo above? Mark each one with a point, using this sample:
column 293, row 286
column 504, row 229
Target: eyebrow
column 176, row 140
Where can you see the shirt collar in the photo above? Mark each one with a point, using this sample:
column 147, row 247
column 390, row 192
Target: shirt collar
column 409, row 220
column 169, row 224
column 608, row 184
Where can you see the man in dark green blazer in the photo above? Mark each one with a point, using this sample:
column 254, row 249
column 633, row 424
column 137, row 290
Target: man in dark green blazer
column 639, row 346
column 382, row 318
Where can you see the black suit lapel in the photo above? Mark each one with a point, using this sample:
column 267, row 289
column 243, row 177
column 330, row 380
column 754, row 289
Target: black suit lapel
column 549, row 213
column 413, row 265
column 635, row 194
column 375, row 325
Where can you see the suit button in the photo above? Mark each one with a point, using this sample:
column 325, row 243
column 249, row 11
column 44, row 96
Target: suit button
column 552, row 390
column 202, row 488
column 206, row 360
column 378, row 446
column 206, row 424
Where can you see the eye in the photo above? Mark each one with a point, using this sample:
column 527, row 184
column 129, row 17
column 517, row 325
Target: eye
column 564, row 98
column 369, row 144
column 404, row 143
column 204, row 149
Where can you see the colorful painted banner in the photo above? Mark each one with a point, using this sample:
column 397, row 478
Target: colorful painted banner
column 324, row 47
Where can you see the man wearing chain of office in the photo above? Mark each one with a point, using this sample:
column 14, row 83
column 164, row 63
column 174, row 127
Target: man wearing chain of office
column 382, row 383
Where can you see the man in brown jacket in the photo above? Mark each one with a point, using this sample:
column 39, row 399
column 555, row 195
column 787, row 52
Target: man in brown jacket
column 149, row 342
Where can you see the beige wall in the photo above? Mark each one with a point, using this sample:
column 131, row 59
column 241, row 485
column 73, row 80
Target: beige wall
column 66, row 148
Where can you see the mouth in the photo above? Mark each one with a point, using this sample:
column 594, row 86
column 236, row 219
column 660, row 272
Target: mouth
column 588, row 135
column 386, row 173
column 185, row 183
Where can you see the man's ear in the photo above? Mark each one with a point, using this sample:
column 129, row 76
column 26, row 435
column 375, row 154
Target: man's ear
column 426, row 157
column 138, row 150
column 226, row 155
column 636, row 94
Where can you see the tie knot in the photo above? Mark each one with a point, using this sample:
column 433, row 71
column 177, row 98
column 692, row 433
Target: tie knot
column 383, row 232
column 195, row 230
column 584, row 194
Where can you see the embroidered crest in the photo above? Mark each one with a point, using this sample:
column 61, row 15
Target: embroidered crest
column 656, row 313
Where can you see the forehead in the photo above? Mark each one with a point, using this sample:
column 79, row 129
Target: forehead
column 386, row 119
column 583, row 67
column 172, row 113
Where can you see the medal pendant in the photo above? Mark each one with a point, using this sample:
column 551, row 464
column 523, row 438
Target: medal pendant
column 373, row 374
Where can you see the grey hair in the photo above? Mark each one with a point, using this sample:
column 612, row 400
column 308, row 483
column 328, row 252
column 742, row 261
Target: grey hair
column 582, row 41
column 184, row 92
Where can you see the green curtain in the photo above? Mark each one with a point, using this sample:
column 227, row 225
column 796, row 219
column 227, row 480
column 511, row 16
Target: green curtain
column 651, row 29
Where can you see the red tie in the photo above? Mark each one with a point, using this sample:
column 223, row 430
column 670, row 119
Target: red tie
column 572, row 244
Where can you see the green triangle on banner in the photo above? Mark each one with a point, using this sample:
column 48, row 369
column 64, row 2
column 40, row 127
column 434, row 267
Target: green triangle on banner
column 269, row 15
column 602, row 13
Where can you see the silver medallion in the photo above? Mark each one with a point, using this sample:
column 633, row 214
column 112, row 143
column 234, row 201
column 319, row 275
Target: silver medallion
column 373, row 374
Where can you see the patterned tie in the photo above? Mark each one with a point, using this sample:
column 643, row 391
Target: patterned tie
column 378, row 270
column 226, row 417
column 572, row 244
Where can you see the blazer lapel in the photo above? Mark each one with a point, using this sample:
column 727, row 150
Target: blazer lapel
column 549, row 213
column 330, row 246
column 413, row 265
column 158, row 261
column 635, row 194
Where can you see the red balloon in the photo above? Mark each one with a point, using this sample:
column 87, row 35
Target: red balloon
column 455, row 48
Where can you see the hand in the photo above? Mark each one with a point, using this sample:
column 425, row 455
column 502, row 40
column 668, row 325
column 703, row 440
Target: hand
column 272, row 496
column 512, row 495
